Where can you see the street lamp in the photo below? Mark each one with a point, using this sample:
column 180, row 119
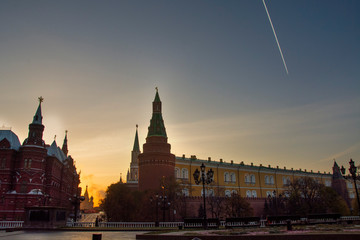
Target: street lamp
column 157, row 207
column 76, row 202
column 352, row 171
column 205, row 178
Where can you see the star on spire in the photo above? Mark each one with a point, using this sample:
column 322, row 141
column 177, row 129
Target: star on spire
column 41, row 99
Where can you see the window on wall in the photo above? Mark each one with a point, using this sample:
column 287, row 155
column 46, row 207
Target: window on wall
column 248, row 193
column 3, row 163
column 247, row 178
column 328, row 183
column 25, row 163
column 349, row 185
column 232, row 177
column 267, row 180
column 185, row 192
column 29, row 163
column 272, row 180
column 177, row 172
column 254, row 194
column 202, row 192
column 226, row 177
column 210, row 193
column 233, row 192
column 184, row 173
column 252, row 178
column 227, row 193
column 268, row 193
column 23, row 187
column 286, row 180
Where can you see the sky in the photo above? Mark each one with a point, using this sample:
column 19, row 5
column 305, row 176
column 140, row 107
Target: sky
column 223, row 85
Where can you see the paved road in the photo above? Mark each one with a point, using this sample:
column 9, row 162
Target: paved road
column 89, row 217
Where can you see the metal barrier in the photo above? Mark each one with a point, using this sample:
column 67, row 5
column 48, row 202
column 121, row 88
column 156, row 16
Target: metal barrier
column 11, row 224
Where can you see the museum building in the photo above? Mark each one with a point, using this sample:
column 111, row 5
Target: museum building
column 35, row 174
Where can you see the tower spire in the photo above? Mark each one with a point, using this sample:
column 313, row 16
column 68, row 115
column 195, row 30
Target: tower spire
column 157, row 127
column 36, row 128
column 65, row 146
column 136, row 147
column 38, row 117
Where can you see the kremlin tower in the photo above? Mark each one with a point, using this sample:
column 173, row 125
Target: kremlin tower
column 156, row 161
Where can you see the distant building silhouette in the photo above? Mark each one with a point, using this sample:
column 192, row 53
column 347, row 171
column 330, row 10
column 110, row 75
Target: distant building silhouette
column 88, row 203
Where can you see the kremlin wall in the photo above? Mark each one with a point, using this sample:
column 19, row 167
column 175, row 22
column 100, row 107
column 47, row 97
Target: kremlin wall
column 255, row 183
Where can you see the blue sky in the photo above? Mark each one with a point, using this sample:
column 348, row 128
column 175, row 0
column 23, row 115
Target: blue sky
column 220, row 76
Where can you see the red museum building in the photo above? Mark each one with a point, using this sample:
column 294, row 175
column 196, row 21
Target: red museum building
column 35, row 174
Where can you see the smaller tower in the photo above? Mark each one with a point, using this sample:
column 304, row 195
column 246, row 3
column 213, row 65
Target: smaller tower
column 132, row 176
column 65, row 146
column 339, row 183
column 36, row 128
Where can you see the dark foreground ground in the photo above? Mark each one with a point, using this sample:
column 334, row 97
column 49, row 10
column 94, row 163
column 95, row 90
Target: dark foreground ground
column 327, row 232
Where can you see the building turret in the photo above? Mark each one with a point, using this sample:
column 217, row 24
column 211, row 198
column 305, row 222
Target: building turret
column 65, row 146
column 156, row 161
column 339, row 183
column 36, row 128
column 132, row 176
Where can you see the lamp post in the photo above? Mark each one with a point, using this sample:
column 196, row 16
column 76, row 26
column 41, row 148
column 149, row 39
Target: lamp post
column 156, row 200
column 352, row 171
column 204, row 178
column 76, row 202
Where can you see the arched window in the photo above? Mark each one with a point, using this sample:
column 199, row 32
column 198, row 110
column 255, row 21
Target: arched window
column 177, row 172
column 247, row 178
column 3, row 163
column 286, row 180
column 227, row 193
column 252, row 178
column 185, row 192
column 232, row 177
column 29, row 163
column 202, row 192
column 184, row 173
column 226, row 177
column 254, row 195
column 23, row 187
column 272, row 180
column 211, row 193
column 248, row 193
column 233, row 192
column 267, row 180
column 328, row 183
column 268, row 194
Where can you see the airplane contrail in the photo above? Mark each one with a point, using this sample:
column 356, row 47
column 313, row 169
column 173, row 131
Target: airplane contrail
column 277, row 41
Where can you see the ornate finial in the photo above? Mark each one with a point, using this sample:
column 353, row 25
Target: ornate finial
column 66, row 131
column 156, row 89
column 137, row 126
column 41, row 99
column 55, row 138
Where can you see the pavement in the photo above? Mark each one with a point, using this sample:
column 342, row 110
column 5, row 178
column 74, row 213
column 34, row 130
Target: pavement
column 89, row 217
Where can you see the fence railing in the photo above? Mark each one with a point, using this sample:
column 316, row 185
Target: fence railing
column 11, row 224
column 19, row 224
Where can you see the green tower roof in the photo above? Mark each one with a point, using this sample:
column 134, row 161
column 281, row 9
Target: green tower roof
column 157, row 126
column 136, row 147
